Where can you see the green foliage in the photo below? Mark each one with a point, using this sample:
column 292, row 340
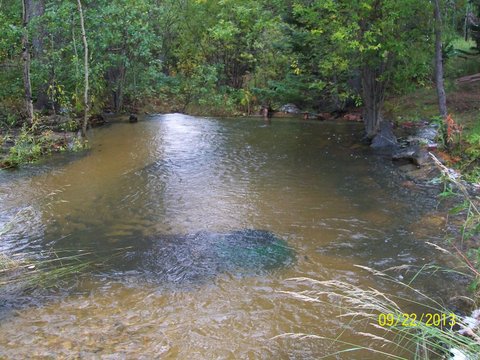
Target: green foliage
column 10, row 70
column 79, row 144
column 291, row 89
column 447, row 192
column 333, row 41
column 469, row 150
column 30, row 146
column 457, row 63
column 26, row 149
column 467, row 207
column 56, row 94
column 193, row 53
column 8, row 120
column 70, row 126
column 473, row 140
column 10, row 28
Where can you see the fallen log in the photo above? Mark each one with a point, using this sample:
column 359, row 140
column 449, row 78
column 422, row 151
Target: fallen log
column 468, row 79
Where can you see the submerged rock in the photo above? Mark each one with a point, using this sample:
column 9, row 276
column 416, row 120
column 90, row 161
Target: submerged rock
column 405, row 153
column 425, row 136
column 416, row 154
column 187, row 258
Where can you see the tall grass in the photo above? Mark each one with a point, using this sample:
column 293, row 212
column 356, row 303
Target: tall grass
column 454, row 186
column 26, row 271
column 399, row 337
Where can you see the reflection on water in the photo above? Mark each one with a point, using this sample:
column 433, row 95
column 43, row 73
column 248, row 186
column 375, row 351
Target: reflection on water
column 302, row 182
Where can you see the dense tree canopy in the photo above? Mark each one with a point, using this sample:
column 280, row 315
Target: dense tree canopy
column 220, row 56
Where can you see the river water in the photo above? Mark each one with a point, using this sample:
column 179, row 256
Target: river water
column 172, row 177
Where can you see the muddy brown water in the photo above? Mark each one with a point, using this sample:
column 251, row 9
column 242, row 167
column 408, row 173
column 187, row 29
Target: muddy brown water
column 170, row 176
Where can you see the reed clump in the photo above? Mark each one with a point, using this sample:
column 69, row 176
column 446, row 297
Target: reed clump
column 28, row 271
column 388, row 325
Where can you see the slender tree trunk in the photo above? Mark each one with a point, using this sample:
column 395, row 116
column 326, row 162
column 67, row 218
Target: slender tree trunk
column 26, row 64
column 465, row 25
column 373, row 94
column 36, row 9
column 120, row 86
column 85, row 95
column 77, row 59
column 442, row 98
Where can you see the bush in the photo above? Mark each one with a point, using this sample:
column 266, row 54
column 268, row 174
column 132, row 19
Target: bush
column 473, row 141
column 29, row 147
column 11, row 112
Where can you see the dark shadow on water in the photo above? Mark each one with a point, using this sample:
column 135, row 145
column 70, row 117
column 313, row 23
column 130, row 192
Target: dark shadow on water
column 170, row 261
column 201, row 256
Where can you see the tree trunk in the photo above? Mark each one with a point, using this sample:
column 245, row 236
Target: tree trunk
column 36, row 9
column 85, row 47
column 77, row 59
column 373, row 95
column 116, row 79
column 26, row 64
column 442, row 98
column 120, row 86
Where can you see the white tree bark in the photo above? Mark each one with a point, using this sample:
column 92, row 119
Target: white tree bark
column 85, row 94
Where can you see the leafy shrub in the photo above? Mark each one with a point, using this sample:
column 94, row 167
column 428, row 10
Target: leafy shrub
column 29, row 147
column 11, row 112
column 8, row 120
column 71, row 126
column 473, row 141
column 26, row 149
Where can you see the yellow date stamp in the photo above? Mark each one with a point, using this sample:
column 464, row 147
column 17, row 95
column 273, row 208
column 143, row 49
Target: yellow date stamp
column 413, row 319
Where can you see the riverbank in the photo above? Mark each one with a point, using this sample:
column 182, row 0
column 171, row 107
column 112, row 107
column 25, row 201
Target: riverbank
column 48, row 134
column 462, row 152
column 456, row 144
column 425, row 165
column 20, row 146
